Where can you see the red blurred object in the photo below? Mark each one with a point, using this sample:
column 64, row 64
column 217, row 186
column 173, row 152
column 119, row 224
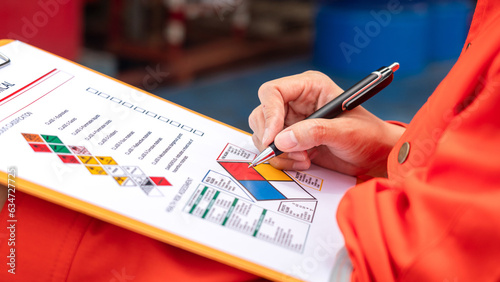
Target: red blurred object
column 52, row 25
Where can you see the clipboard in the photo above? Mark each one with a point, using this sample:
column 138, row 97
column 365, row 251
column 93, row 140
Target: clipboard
column 308, row 196
column 4, row 60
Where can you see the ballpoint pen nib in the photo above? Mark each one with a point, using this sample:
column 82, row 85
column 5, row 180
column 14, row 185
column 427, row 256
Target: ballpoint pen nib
column 394, row 67
column 265, row 155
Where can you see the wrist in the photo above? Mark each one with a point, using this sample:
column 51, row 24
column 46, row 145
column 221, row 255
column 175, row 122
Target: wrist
column 391, row 133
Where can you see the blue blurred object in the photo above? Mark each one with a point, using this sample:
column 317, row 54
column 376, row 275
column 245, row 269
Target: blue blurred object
column 351, row 39
column 450, row 21
column 354, row 37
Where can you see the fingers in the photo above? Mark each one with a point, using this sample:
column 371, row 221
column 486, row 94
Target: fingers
column 284, row 102
column 293, row 98
column 272, row 112
column 287, row 100
column 261, row 136
column 287, row 161
column 300, row 143
column 311, row 133
column 292, row 161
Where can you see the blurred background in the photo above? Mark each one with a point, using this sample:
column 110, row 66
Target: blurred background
column 212, row 55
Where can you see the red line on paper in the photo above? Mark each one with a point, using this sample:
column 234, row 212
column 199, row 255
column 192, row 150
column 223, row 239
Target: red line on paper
column 33, row 82
column 40, row 96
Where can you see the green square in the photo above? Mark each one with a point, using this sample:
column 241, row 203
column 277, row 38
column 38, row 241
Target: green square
column 51, row 139
column 59, row 149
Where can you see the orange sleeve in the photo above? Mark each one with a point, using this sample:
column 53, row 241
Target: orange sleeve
column 438, row 221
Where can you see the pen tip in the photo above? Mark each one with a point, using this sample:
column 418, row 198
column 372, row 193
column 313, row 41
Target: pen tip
column 394, row 67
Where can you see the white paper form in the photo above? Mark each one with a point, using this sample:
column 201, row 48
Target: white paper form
column 102, row 142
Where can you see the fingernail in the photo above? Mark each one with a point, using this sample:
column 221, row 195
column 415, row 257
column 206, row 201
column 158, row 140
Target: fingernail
column 286, row 140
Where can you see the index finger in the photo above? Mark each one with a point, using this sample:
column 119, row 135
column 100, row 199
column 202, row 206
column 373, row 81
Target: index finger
column 290, row 99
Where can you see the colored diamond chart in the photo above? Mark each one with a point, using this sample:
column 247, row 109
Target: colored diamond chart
column 263, row 182
column 124, row 176
column 282, row 191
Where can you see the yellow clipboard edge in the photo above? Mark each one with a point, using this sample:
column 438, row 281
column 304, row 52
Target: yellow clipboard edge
column 135, row 225
column 5, row 41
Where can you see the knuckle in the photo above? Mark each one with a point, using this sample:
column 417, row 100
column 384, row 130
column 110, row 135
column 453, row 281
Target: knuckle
column 312, row 72
column 266, row 89
column 349, row 129
column 316, row 74
column 270, row 91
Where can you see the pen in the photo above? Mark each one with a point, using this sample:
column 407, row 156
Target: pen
column 351, row 98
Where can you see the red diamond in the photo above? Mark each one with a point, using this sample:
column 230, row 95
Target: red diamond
column 68, row 159
column 241, row 171
column 40, row 148
column 160, row 181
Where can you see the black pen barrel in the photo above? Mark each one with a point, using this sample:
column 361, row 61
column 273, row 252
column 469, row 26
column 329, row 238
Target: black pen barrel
column 334, row 107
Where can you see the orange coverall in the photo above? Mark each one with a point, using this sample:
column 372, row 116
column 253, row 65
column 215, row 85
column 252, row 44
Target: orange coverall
column 434, row 219
column 437, row 216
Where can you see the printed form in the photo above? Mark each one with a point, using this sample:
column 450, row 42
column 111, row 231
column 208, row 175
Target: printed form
column 101, row 142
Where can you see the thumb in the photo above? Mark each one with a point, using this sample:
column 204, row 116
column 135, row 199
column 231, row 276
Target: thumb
column 306, row 134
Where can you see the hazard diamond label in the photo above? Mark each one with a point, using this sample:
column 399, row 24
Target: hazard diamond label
column 115, row 170
column 52, row 139
column 124, row 181
column 40, row 148
column 120, row 180
column 96, row 170
column 88, row 160
column 147, row 189
column 80, row 150
column 59, row 149
column 143, row 181
column 160, row 181
column 107, row 160
column 151, row 191
column 133, row 170
column 68, row 159
column 32, row 137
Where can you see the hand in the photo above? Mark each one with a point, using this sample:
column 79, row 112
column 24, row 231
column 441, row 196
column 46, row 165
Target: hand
column 355, row 143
